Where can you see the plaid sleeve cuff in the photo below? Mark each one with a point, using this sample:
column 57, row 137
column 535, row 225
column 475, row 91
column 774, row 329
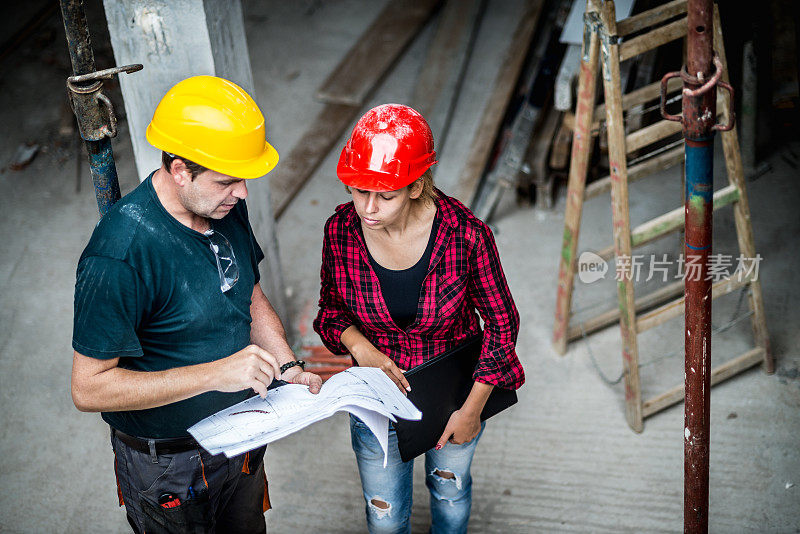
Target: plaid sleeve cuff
column 330, row 331
column 500, row 368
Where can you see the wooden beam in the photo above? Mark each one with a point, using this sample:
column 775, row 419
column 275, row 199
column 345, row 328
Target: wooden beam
column 576, row 182
column 611, row 316
column 651, row 17
column 677, row 307
column 741, row 212
column 495, row 108
column 365, row 64
column 345, row 90
column 652, row 39
column 443, row 70
column 720, row 374
column 621, row 223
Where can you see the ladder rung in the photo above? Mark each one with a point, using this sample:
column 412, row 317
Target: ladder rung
column 651, row 17
column 663, row 129
column 719, row 374
column 671, row 221
column 640, row 170
column 652, row 39
column 650, row 134
column 609, row 317
column 676, row 307
column 640, row 96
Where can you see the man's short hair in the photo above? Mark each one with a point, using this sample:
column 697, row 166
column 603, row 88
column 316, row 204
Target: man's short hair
column 194, row 168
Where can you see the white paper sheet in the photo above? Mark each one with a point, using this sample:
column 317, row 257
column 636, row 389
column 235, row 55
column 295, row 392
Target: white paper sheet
column 364, row 391
column 377, row 423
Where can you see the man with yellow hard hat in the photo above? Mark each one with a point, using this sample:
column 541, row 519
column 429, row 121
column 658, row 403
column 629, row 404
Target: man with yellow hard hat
column 171, row 324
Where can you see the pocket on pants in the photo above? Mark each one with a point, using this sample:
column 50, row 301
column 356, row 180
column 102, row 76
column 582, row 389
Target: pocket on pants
column 190, row 516
column 193, row 514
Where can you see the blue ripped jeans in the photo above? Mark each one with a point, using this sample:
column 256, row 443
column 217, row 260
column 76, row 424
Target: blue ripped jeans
column 451, row 497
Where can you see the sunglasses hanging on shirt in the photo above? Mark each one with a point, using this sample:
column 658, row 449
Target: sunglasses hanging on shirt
column 226, row 260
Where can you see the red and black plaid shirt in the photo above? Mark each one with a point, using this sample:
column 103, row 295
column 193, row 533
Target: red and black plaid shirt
column 464, row 276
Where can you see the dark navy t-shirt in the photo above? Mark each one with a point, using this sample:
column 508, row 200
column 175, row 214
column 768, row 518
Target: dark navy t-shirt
column 148, row 292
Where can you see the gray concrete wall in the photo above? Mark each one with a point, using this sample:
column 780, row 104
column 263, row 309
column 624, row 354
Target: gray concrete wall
column 171, row 40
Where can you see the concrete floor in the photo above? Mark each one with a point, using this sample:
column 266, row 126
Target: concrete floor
column 562, row 460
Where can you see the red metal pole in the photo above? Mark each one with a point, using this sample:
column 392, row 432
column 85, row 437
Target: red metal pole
column 699, row 117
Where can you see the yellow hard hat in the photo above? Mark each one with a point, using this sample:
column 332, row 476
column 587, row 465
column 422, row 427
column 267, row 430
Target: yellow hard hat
column 214, row 123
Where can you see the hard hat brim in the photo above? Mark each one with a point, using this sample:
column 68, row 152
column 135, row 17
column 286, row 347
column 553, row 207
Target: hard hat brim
column 248, row 169
column 369, row 180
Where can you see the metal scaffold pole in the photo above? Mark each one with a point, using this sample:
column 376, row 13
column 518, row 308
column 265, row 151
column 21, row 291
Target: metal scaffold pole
column 700, row 75
column 97, row 122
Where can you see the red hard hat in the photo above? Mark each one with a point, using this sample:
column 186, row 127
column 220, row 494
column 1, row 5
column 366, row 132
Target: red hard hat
column 390, row 147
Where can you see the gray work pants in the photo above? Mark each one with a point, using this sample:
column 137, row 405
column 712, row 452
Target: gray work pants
column 215, row 493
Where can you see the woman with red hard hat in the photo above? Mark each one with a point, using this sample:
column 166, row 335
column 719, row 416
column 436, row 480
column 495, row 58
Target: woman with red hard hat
column 405, row 272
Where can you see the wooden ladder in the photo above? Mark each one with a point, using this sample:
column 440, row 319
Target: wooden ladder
column 602, row 32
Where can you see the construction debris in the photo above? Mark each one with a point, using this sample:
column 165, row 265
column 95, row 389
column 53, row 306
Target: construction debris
column 23, row 156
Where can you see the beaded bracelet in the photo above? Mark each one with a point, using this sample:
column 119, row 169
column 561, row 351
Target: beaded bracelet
column 286, row 366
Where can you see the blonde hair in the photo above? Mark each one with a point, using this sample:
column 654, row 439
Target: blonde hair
column 429, row 193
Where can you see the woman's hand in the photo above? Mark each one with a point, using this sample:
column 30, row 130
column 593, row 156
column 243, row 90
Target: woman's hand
column 375, row 358
column 367, row 355
column 462, row 427
column 465, row 424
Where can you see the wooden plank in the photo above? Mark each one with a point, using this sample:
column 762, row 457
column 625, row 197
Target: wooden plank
column 294, row 170
column 650, row 134
column 367, row 61
column 719, row 374
column 677, row 307
column 651, row 17
column 443, row 70
column 652, row 39
column 578, row 167
column 621, row 219
column 493, row 112
column 539, row 160
column 741, row 212
column 611, row 316
column 652, row 165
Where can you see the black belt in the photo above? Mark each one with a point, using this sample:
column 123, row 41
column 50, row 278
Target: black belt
column 156, row 446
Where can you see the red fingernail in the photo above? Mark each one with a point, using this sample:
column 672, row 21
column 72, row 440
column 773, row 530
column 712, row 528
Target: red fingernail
column 438, row 446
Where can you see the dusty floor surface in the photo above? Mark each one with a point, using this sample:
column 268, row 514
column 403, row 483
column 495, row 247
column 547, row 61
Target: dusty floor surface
column 562, row 460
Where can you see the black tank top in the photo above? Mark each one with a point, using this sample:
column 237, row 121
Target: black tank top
column 401, row 288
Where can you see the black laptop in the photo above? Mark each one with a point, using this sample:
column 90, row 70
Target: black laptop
column 438, row 388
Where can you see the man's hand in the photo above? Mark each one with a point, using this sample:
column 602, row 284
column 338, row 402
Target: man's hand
column 462, row 427
column 305, row 378
column 252, row 367
column 369, row 356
